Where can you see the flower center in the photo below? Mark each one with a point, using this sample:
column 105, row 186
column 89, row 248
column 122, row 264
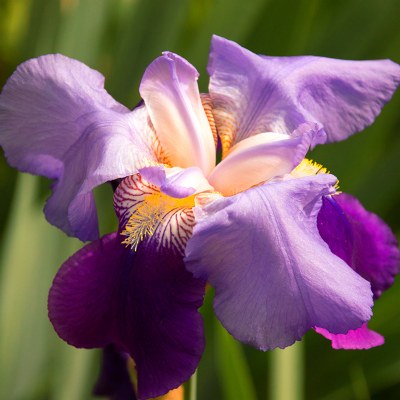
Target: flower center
column 308, row 167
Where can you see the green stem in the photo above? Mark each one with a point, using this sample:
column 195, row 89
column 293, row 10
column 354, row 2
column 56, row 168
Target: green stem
column 286, row 380
column 193, row 387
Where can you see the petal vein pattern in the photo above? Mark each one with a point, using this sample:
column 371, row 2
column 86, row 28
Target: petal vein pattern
column 144, row 211
column 274, row 276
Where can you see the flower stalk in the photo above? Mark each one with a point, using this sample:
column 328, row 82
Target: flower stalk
column 287, row 373
column 193, row 387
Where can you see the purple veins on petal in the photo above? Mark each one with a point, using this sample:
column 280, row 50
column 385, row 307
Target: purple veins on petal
column 144, row 211
column 274, row 277
column 254, row 94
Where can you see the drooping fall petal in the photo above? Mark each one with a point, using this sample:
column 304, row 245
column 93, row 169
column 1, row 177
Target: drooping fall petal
column 58, row 121
column 274, row 277
column 144, row 302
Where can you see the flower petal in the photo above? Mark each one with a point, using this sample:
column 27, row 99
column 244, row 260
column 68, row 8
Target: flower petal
column 361, row 239
column 170, row 219
column 58, row 121
column 176, row 182
column 169, row 89
column 40, row 108
column 144, row 302
column 253, row 94
column 274, row 276
column 261, row 157
column 358, row 339
column 81, row 297
column 160, row 325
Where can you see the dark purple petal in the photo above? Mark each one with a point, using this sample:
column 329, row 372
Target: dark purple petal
column 361, row 239
column 58, row 121
column 358, row 339
column 144, row 302
column 114, row 380
column 253, row 94
column 81, row 297
column 159, row 323
column 274, row 276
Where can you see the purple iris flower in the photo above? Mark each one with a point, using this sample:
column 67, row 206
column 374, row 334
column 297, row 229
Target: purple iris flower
column 265, row 227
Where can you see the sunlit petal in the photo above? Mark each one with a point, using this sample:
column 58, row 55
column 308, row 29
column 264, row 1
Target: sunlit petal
column 169, row 89
column 274, row 277
column 177, row 182
column 253, row 94
column 58, row 121
column 262, row 157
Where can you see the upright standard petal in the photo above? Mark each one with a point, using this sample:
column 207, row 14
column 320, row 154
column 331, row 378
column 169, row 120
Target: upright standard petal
column 144, row 302
column 169, row 89
column 58, row 121
column 361, row 239
column 253, row 94
column 262, row 157
column 274, row 276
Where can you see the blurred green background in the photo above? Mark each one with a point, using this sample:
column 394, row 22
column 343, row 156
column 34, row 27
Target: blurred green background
column 120, row 38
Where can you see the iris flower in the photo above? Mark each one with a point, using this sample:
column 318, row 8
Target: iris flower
column 268, row 229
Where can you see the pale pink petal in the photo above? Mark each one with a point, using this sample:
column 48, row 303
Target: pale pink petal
column 169, row 89
column 262, row 157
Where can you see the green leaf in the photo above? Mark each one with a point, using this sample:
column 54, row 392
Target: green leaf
column 232, row 367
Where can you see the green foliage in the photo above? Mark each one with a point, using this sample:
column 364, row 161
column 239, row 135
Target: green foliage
column 120, row 38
